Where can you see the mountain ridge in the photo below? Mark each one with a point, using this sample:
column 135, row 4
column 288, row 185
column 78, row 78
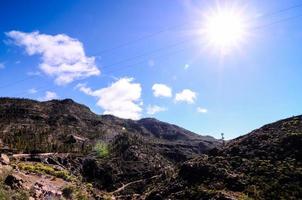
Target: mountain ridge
column 71, row 101
column 114, row 158
column 54, row 120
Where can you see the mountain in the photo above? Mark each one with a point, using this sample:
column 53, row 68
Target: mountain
column 63, row 126
column 68, row 135
column 264, row 164
column 278, row 141
column 59, row 149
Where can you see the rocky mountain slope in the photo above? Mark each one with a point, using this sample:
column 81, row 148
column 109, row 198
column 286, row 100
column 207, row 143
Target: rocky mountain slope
column 61, row 150
column 264, row 164
column 278, row 141
column 66, row 126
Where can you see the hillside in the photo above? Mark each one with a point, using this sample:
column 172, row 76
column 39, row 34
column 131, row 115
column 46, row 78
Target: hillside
column 66, row 126
column 264, row 164
column 279, row 141
column 76, row 154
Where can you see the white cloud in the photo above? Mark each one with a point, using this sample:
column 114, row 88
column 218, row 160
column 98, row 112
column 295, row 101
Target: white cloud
column 153, row 109
column 62, row 57
column 202, row 110
column 186, row 95
column 32, row 91
column 2, row 66
column 121, row 98
column 186, row 66
column 161, row 90
column 49, row 96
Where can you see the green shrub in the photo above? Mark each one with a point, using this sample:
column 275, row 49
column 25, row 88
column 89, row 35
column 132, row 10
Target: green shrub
column 101, row 149
column 7, row 193
column 3, row 194
column 73, row 192
column 45, row 169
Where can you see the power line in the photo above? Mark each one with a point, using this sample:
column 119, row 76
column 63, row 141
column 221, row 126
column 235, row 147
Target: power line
column 171, row 53
column 113, row 64
column 153, row 34
column 191, row 39
column 188, row 40
column 124, row 67
column 149, row 53
column 130, row 42
column 178, row 43
column 278, row 21
column 144, row 61
column 281, row 10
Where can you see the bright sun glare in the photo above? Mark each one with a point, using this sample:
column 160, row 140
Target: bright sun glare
column 224, row 29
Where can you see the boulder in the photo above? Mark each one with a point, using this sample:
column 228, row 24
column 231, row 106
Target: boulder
column 4, row 159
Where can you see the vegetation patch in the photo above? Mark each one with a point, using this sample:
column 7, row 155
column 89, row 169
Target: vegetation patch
column 6, row 194
column 101, row 149
column 73, row 192
column 45, row 169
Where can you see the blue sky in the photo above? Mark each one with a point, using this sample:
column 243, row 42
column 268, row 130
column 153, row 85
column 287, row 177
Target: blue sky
column 151, row 56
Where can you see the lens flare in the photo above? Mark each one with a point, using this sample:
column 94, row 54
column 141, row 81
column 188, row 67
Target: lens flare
column 224, row 29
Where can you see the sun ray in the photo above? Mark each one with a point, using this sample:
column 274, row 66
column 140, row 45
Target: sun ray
column 224, row 29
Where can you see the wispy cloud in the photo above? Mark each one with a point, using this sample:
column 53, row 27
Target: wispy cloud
column 161, row 90
column 2, row 66
column 153, row 109
column 186, row 95
column 121, row 98
column 201, row 110
column 49, row 95
column 62, row 57
column 186, row 66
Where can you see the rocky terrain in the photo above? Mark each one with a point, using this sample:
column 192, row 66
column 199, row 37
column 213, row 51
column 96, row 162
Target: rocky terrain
column 264, row 164
column 65, row 126
column 61, row 150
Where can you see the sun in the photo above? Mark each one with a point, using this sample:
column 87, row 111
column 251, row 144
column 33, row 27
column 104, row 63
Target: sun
column 224, row 29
